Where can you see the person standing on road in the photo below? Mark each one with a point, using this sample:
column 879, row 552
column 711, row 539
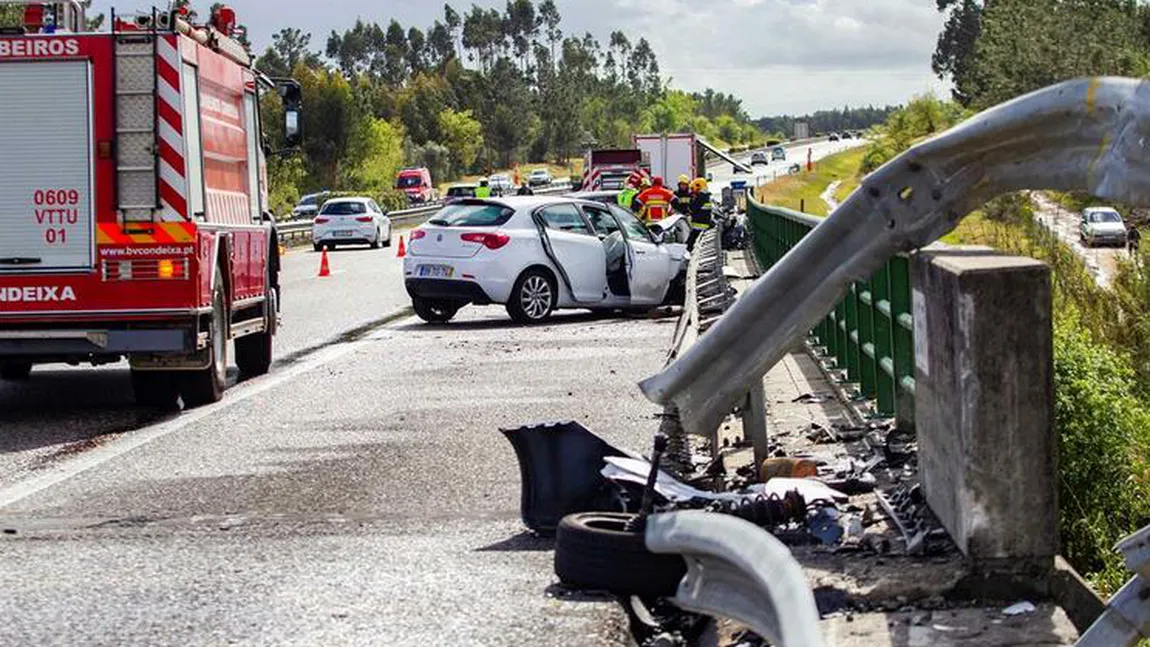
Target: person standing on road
column 484, row 189
column 627, row 196
column 683, row 196
column 702, row 210
column 656, row 202
column 1133, row 237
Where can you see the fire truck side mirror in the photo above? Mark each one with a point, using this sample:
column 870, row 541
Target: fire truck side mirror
column 293, row 103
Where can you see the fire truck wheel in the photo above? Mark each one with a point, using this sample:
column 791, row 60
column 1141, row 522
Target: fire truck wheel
column 156, row 389
column 14, row 370
column 254, row 354
column 207, row 386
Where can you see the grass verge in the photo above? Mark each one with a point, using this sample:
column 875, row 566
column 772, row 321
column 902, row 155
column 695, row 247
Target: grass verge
column 803, row 191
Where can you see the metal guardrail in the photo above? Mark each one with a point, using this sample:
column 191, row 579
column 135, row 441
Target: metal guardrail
column 290, row 230
column 1082, row 135
column 870, row 332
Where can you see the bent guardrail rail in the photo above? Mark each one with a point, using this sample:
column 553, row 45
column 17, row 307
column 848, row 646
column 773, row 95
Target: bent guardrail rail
column 739, row 571
column 1083, row 135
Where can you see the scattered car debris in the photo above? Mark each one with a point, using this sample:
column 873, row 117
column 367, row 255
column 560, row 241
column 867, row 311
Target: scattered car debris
column 787, row 467
column 814, row 398
column 1020, row 608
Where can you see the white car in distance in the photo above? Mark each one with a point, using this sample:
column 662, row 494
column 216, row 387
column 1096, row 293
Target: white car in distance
column 536, row 254
column 1102, row 225
column 350, row 221
column 539, row 177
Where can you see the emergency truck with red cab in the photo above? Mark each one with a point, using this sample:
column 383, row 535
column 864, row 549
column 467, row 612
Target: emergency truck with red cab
column 133, row 199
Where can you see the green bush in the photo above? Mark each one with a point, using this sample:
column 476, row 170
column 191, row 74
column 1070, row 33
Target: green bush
column 1104, row 432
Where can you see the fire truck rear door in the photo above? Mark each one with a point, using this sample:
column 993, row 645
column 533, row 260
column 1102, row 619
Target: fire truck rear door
column 45, row 167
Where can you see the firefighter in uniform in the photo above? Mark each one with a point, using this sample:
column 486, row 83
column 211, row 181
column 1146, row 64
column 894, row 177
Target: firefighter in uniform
column 702, row 210
column 683, row 196
column 656, row 202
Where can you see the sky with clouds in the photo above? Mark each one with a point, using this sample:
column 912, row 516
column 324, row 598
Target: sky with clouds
column 779, row 56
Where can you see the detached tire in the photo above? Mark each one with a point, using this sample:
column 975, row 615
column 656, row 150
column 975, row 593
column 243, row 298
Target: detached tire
column 434, row 311
column 594, row 550
column 15, row 370
column 206, row 386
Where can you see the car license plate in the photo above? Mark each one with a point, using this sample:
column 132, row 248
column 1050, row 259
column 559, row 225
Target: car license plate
column 344, row 234
column 437, row 271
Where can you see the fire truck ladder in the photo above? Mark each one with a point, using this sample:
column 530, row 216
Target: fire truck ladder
column 137, row 150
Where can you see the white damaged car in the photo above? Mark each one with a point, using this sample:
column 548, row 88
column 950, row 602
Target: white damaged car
column 536, row 254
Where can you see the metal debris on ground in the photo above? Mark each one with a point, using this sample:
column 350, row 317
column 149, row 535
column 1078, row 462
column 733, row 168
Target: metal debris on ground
column 814, row 398
column 906, row 508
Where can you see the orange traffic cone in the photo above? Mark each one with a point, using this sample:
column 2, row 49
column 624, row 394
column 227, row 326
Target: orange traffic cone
column 402, row 251
column 324, row 268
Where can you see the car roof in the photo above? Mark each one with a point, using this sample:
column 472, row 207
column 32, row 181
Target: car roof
column 463, row 186
column 353, row 198
column 585, row 194
column 540, row 170
column 1100, row 209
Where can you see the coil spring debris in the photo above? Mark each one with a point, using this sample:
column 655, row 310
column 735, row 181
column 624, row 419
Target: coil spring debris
column 765, row 510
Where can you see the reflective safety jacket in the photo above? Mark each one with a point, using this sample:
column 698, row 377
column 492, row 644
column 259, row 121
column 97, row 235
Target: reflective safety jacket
column 702, row 211
column 656, row 203
column 626, row 197
column 483, row 192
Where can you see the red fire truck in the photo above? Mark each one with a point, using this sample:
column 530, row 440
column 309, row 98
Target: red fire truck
column 133, row 193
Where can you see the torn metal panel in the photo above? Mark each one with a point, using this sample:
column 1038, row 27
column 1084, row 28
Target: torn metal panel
column 736, row 570
column 1084, row 135
column 559, row 467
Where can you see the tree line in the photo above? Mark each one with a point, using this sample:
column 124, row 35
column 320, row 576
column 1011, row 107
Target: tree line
column 474, row 92
column 828, row 121
column 995, row 50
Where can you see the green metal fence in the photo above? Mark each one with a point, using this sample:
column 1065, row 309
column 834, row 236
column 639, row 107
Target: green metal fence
column 870, row 333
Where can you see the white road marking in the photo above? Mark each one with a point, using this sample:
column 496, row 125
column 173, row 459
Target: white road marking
column 140, row 437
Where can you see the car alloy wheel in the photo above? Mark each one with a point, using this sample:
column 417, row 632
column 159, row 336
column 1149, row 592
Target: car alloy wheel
column 535, row 297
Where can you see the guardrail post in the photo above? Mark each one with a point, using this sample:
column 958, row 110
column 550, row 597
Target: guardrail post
column 867, row 357
column 903, row 341
column 883, row 342
column 985, row 404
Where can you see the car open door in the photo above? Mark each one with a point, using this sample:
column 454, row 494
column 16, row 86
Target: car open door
column 651, row 269
column 576, row 251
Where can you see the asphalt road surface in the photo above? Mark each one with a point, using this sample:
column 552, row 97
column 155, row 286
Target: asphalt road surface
column 723, row 173
column 360, row 494
column 64, row 410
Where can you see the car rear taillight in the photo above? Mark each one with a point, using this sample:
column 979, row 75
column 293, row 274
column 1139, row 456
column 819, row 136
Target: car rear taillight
column 321, row 220
column 363, row 219
column 416, row 234
column 490, row 241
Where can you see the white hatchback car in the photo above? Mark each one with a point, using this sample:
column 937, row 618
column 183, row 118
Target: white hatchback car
column 537, row 254
column 350, row 221
column 1102, row 225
